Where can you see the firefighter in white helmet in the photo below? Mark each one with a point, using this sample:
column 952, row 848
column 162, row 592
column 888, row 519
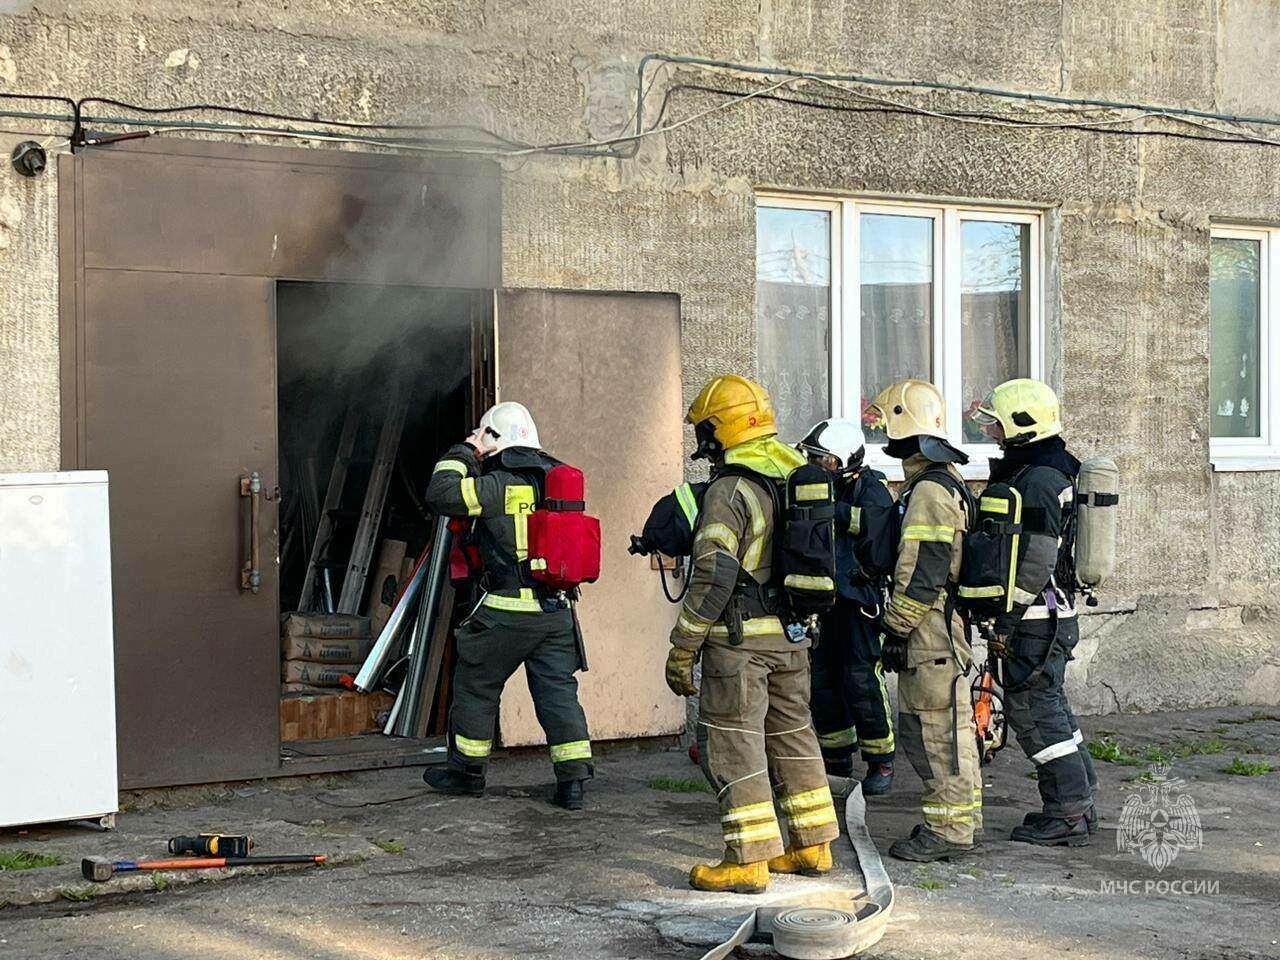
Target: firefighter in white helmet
column 924, row 637
column 850, row 701
column 496, row 477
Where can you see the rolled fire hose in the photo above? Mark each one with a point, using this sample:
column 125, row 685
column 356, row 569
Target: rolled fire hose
column 839, row 923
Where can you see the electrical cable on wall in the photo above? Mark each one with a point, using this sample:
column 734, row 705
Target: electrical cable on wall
column 1077, row 114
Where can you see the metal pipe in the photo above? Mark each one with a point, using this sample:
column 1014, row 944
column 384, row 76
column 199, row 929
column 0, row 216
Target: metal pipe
column 424, row 629
column 375, row 663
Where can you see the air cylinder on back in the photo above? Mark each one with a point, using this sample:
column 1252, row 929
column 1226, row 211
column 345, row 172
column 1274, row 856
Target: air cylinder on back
column 1097, row 505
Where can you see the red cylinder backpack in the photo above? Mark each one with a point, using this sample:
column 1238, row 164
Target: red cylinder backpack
column 564, row 540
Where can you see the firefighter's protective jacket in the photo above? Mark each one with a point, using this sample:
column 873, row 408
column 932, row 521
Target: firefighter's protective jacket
column 1048, row 500
column 934, row 522
column 735, row 535
column 498, row 494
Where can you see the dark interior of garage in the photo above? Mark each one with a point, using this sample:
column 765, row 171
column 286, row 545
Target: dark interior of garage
column 374, row 381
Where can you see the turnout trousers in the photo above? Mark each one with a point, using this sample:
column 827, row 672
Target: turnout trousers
column 1041, row 717
column 936, row 731
column 849, row 697
column 756, row 743
column 492, row 645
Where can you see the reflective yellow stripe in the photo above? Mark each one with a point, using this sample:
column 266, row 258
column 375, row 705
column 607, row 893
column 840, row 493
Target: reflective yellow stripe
column 1013, row 551
column 472, row 748
column 803, row 582
column 817, row 818
column 520, row 503
column 855, row 520
column 807, row 800
column 977, row 592
column 574, row 750
column 938, row 534
column 537, row 563
column 884, row 745
column 753, row 811
column 456, row 466
column 721, row 534
column 525, row 603
column 812, row 491
column 691, row 625
column 754, row 833
column 751, row 560
column 469, row 496
column 993, row 505
column 758, row 627
column 887, row 745
column 688, row 503
column 841, row 738
column 906, row 603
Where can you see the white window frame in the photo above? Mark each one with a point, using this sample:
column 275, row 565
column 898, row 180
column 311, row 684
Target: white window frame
column 846, row 295
column 1263, row 451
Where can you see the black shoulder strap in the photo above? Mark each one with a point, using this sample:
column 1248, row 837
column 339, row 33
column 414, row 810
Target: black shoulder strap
column 944, row 477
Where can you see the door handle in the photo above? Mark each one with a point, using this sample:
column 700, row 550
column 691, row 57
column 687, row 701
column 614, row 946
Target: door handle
column 251, row 572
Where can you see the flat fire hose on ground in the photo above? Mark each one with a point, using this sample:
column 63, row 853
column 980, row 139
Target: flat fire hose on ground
column 835, row 924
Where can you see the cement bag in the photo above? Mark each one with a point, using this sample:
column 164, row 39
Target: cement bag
column 1097, row 499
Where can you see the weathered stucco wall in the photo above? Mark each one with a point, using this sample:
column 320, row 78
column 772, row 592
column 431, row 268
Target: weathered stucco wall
column 1195, row 616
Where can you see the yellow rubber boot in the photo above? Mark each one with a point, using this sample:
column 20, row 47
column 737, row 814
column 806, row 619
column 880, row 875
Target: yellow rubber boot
column 809, row 861
column 731, row 877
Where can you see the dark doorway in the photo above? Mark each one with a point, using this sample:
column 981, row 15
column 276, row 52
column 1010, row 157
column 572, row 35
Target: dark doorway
column 374, row 382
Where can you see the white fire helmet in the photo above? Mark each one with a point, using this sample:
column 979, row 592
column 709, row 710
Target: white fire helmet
column 509, row 424
column 836, row 437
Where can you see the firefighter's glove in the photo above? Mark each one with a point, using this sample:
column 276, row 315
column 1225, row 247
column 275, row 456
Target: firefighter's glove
column 998, row 646
column 680, row 671
column 893, row 652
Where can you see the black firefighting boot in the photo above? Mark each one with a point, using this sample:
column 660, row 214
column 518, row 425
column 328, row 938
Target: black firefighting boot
column 838, row 766
column 925, row 846
column 1090, row 819
column 454, row 782
column 569, row 794
column 1053, row 832
column 878, row 781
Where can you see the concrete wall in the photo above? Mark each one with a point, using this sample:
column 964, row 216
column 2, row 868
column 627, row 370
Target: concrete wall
column 1197, row 620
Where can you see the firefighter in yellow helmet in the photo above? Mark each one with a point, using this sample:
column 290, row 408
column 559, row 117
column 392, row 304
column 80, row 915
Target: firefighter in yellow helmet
column 924, row 637
column 755, row 733
column 1035, row 637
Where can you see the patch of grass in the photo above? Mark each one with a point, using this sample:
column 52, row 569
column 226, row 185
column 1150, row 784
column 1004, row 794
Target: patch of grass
column 1240, row 767
column 932, row 884
column 77, row 894
column 159, row 882
column 390, row 846
column 679, row 784
column 26, row 860
column 1219, row 731
column 1108, row 750
column 1033, row 774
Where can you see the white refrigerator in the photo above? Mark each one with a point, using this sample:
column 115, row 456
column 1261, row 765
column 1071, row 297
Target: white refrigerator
column 57, row 676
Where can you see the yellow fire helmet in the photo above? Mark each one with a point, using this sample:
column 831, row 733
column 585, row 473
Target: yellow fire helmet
column 912, row 408
column 1027, row 411
column 728, row 411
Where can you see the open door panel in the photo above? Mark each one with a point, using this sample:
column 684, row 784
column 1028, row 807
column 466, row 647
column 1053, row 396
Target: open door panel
column 179, row 404
column 601, row 374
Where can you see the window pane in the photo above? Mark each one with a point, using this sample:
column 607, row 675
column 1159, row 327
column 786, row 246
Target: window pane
column 896, row 274
column 1235, row 335
column 995, row 313
column 793, row 315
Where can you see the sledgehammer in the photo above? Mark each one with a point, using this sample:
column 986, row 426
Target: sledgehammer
column 100, row 869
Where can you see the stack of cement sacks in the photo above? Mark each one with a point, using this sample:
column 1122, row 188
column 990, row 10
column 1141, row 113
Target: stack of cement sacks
column 320, row 648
